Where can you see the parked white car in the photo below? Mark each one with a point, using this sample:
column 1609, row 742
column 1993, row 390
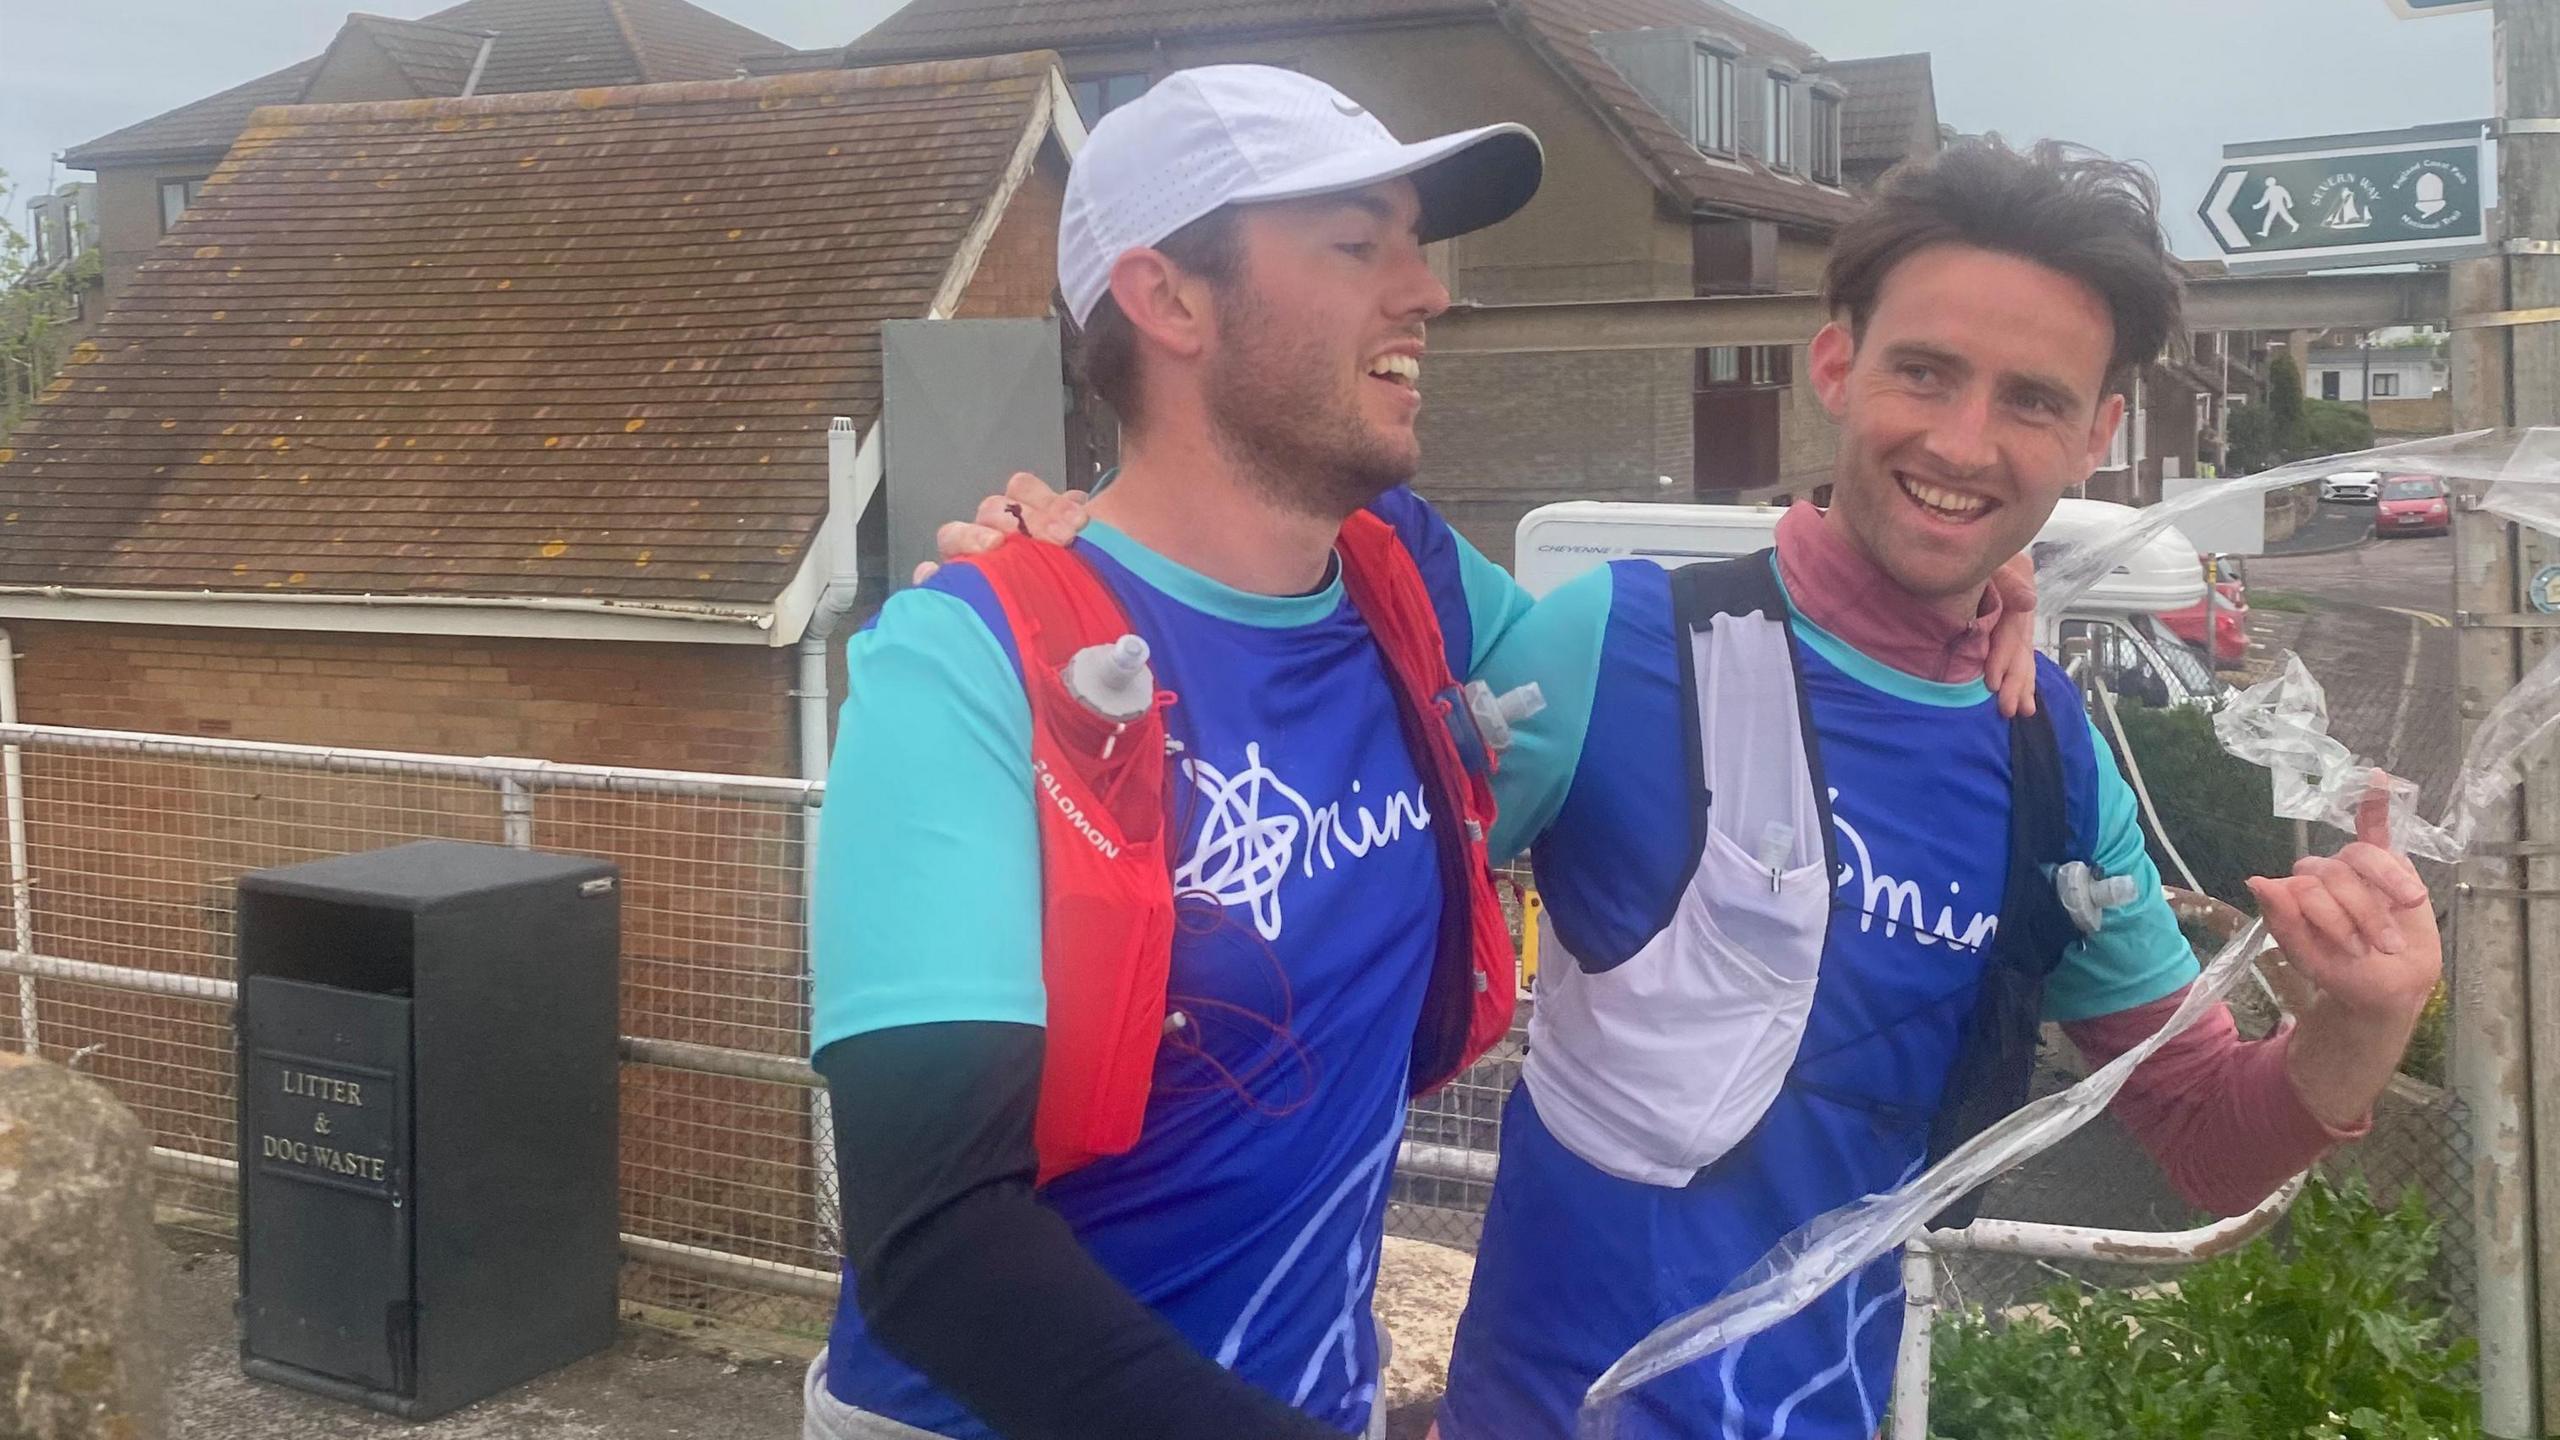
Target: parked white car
column 2362, row 486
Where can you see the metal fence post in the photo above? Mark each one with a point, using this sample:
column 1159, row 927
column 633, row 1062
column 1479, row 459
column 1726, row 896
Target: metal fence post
column 1911, row 1362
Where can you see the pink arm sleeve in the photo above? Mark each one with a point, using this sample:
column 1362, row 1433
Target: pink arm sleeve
column 2219, row 1114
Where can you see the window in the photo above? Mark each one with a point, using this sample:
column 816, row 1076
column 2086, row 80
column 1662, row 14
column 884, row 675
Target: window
column 1759, row 366
column 2386, row 384
column 1826, row 138
column 71, row 237
column 41, row 221
column 175, row 197
column 2118, row 659
column 2120, row 449
column 1778, row 134
column 1712, row 126
column 78, row 306
column 1102, row 94
column 2412, row 487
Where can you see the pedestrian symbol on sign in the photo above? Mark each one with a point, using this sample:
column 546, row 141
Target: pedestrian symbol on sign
column 2276, row 202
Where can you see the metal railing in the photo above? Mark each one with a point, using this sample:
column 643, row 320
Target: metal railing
column 123, row 851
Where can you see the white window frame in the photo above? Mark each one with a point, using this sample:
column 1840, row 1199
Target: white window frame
column 2386, row 384
column 1712, row 120
column 40, row 220
column 1826, row 103
column 71, row 230
column 1778, row 121
column 187, row 187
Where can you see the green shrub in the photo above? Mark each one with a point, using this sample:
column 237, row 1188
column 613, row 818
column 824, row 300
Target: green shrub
column 2332, row 1335
column 2330, row 427
column 2219, row 810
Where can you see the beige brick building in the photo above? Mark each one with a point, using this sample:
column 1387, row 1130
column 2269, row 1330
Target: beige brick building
column 1692, row 149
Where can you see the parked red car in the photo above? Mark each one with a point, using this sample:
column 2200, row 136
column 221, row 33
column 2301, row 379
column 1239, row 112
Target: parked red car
column 2413, row 505
column 2230, row 624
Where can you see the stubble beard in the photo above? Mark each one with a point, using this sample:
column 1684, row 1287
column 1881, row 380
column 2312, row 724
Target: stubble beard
column 1297, row 440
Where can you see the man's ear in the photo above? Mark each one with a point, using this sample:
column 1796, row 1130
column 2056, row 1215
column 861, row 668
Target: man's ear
column 1834, row 350
column 2102, row 430
column 1164, row 304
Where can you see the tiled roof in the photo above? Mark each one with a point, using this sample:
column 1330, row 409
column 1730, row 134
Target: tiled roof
column 438, row 59
column 578, row 344
column 1742, row 187
column 203, row 125
column 972, row 27
column 541, row 45
column 1891, row 99
column 1559, row 29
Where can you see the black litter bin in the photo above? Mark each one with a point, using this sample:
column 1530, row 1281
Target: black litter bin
column 428, row 1121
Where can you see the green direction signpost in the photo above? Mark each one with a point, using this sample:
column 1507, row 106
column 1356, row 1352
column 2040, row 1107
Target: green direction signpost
column 2348, row 200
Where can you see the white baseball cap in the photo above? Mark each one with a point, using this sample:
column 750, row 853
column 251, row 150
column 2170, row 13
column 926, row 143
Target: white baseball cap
column 1244, row 134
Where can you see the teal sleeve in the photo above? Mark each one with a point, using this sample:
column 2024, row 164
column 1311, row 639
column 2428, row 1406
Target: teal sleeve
column 1495, row 602
column 927, row 903
column 1556, row 644
column 2138, row 954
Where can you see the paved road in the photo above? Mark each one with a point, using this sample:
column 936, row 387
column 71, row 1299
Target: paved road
column 2379, row 638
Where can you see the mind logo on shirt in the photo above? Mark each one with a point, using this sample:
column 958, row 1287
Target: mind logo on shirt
column 1879, row 896
column 1241, row 855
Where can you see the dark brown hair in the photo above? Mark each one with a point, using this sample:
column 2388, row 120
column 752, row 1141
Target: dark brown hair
column 2066, row 208
column 1211, row 247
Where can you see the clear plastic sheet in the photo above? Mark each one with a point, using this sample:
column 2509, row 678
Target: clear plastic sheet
column 2282, row 724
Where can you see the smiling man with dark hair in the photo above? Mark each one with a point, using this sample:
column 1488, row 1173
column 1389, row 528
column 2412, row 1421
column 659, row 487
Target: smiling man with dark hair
column 1822, row 961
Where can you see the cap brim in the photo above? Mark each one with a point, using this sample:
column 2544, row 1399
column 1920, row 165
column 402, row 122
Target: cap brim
column 1467, row 181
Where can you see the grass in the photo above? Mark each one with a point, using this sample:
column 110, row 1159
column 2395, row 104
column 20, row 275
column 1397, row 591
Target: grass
column 2291, row 602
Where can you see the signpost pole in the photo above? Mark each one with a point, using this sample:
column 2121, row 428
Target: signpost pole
column 2506, row 965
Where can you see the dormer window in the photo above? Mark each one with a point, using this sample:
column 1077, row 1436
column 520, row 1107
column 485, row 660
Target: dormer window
column 1711, row 90
column 1826, row 136
column 71, row 230
column 42, row 224
column 1778, row 116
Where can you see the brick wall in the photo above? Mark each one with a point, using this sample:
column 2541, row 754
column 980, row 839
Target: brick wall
column 1502, row 434
column 673, row 707
column 1019, row 271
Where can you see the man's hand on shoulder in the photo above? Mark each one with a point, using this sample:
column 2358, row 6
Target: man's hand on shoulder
column 2010, row 669
column 1027, row 506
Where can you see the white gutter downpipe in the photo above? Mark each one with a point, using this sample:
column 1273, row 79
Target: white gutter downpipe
column 853, row 476
column 22, row 911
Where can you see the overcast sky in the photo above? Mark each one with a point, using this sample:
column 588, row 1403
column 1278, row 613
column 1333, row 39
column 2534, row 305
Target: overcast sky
column 2163, row 81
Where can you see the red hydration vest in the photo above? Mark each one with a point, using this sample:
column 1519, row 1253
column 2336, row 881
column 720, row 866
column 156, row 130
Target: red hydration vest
column 1107, row 913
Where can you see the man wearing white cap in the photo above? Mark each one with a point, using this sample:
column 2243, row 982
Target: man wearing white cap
column 1244, row 249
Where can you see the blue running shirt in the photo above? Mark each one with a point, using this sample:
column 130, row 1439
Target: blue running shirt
column 1249, row 1213
column 1577, row 1265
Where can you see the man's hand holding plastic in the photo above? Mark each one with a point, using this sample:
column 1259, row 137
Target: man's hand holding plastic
column 2359, row 926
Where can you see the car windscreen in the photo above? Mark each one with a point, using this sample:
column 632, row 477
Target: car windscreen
column 2411, row 489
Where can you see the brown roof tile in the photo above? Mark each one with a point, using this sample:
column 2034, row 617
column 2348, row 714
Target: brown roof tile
column 205, row 125
column 1892, row 99
column 968, row 27
column 1560, row 29
column 1743, row 186
column 541, row 45
column 581, row 344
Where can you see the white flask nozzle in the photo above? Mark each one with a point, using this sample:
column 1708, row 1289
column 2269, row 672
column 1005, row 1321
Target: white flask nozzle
column 1112, row 680
column 1496, row 714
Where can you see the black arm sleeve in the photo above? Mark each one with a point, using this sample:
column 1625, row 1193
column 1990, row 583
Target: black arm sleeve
column 962, row 1272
